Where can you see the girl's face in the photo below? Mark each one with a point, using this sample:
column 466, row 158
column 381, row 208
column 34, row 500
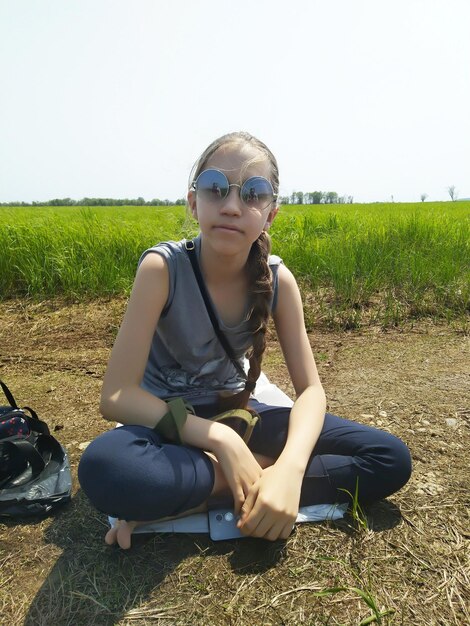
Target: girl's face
column 228, row 224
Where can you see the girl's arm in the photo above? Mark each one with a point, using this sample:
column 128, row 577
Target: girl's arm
column 272, row 504
column 124, row 400
column 308, row 413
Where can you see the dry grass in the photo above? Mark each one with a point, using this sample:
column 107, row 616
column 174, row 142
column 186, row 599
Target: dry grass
column 411, row 566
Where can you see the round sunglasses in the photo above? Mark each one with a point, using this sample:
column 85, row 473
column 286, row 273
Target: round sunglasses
column 213, row 186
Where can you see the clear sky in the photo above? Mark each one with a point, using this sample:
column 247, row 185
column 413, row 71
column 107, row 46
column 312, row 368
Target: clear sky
column 117, row 98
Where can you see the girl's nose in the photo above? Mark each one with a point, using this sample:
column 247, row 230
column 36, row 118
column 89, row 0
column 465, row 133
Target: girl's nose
column 232, row 204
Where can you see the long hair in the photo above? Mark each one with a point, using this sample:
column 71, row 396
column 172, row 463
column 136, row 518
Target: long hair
column 259, row 274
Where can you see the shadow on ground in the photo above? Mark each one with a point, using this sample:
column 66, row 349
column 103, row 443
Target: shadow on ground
column 94, row 582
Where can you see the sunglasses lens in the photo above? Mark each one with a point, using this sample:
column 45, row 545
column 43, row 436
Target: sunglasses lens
column 257, row 192
column 212, row 185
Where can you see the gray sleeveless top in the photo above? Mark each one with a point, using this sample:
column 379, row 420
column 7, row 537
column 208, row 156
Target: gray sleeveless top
column 186, row 358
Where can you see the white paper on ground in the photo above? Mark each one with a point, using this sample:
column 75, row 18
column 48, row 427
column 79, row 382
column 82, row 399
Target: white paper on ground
column 321, row 512
column 199, row 523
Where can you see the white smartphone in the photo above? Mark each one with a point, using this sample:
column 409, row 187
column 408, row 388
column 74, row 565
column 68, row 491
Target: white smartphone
column 223, row 525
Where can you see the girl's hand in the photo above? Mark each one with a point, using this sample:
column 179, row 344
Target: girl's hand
column 272, row 504
column 239, row 466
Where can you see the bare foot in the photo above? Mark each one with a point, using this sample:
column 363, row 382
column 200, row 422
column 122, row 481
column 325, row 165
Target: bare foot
column 121, row 533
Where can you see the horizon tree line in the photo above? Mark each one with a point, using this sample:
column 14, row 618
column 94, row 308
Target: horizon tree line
column 315, row 197
column 296, row 197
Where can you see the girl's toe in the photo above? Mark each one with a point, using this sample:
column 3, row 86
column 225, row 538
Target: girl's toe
column 111, row 536
column 124, row 533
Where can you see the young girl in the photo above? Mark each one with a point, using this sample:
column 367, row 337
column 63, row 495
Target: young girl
column 166, row 461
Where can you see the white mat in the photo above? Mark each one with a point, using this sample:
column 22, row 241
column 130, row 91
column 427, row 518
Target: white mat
column 199, row 523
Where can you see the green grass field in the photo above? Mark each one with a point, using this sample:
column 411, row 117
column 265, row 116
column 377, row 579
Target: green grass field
column 386, row 262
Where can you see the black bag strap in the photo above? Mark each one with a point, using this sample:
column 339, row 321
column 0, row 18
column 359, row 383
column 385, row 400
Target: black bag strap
column 191, row 252
column 35, row 423
column 29, row 452
column 9, row 395
column 40, row 457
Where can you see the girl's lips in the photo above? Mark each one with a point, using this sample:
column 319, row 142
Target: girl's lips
column 227, row 227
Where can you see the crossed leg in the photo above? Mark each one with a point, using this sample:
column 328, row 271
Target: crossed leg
column 122, row 531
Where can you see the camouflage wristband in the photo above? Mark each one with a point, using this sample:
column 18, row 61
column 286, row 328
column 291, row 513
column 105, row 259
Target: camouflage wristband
column 172, row 423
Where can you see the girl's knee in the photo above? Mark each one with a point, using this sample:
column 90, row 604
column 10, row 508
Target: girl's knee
column 94, row 470
column 399, row 466
column 389, row 467
column 129, row 473
column 104, row 465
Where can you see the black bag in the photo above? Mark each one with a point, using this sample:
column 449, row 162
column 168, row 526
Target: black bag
column 34, row 468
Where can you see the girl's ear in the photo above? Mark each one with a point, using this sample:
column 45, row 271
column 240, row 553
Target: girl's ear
column 270, row 218
column 192, row 203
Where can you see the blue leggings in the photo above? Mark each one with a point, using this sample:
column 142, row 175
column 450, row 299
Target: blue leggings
column 130, row 473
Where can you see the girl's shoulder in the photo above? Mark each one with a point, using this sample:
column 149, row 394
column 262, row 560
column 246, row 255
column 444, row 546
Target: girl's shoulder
column 169, row 250
column 178, row 266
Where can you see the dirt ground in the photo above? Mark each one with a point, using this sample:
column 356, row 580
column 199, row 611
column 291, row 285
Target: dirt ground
column 412, row 564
